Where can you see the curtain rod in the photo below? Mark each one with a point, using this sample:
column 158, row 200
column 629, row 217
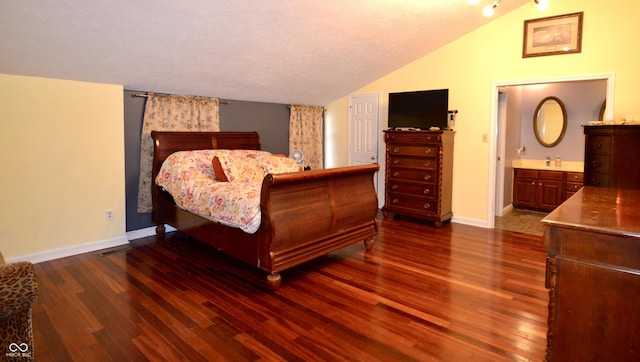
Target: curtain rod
column 323, row 108
column 146, row 95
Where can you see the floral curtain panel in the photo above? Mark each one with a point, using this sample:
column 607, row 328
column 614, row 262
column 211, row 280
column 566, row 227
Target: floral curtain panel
column 171, row 113
column 305, row 133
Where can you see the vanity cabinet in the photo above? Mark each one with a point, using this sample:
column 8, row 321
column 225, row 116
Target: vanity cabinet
column 612, row 156
column 543, row 190
column 525, row 186
column 419, row 174
column 537, row 190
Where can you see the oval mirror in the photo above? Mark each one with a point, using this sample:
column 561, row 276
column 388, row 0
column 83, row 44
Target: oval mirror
column 550, row 121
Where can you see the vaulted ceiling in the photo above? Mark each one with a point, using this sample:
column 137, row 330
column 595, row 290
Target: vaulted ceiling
column 280, row 51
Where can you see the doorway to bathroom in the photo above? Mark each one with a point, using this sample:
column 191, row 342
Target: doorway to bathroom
column 512, row 135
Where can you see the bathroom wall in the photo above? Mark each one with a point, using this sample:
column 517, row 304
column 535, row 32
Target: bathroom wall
column 582, row 101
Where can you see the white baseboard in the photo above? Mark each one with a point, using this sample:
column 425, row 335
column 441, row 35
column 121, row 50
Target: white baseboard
column 471, row 222
column 64, row 252
column 143, row 233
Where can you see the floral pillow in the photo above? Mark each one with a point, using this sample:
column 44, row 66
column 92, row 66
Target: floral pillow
column 239, row 168
column 277, row 164
column 186, row 164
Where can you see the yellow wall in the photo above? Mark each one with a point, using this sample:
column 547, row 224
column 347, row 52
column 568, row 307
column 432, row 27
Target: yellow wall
column 493, row 53
column 62, row 156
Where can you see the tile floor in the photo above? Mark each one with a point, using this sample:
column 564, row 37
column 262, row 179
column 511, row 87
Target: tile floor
column 526, row 222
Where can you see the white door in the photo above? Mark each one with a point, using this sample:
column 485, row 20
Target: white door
column 500, row 153
column 364, row 128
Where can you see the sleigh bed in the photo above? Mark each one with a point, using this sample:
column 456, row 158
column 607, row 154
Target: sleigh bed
column 303, row 215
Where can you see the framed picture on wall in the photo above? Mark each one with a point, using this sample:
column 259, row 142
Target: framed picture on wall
column 554, row 35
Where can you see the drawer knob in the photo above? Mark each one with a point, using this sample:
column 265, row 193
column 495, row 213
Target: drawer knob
column 427, row 177
column 395, row 174
column 595, row 182
column 396, row 161
column 395, row 201
column 595, row 163
column 427, row 206
column 397, row 149
column 394, row 187
column 427, row 164
column 427, row 151
column 426, row 191
column 597, row 146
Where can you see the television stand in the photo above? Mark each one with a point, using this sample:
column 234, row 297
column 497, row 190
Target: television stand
column 419, row 174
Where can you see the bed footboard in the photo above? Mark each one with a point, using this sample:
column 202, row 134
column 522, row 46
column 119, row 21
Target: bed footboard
column 309, row 214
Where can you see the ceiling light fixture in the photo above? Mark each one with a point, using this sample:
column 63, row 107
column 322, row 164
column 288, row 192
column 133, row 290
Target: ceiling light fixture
column 490, row 9
column 541, row 5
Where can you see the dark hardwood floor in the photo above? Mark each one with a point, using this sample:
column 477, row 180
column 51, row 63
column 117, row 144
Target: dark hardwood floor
column 457, row 293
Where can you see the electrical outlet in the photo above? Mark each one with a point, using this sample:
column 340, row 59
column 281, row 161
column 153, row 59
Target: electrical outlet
column 108, row 214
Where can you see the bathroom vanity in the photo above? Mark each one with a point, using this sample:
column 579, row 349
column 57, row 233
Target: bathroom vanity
column 541, row 187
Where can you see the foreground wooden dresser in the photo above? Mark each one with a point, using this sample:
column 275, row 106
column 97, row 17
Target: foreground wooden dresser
column 419, row 174
column 593, row 276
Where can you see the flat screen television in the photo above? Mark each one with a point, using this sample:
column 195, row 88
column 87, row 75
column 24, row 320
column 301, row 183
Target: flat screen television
column 419, row 109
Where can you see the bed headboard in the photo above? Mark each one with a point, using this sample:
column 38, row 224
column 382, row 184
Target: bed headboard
column 166, row 143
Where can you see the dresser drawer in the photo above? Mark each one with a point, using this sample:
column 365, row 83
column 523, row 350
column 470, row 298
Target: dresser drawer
column 598, row 163
column 425, row 163
column 414, row 189
column 573, row 186
column 526, row 173
column 575, row 177
column 397, row 174
column 412, row 202
column 551, row 175
column 597, row 179
column 419, row 151
column 412, row 138
column 599, row 145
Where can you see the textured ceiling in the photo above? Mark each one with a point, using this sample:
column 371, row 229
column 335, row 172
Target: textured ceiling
column 287, row 51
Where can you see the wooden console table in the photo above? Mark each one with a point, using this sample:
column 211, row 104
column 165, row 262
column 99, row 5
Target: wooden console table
column 593, row 276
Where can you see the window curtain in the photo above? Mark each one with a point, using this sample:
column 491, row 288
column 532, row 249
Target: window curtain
column 171, row 113
column 305, row 133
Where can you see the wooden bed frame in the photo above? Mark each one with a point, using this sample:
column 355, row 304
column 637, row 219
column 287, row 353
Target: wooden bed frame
column 304, row 215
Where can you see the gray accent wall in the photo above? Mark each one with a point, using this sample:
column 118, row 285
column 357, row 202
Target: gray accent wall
column 270, row 120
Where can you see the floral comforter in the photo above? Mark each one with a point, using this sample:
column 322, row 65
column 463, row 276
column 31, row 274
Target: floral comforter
column 189, row 177
column 221, row 185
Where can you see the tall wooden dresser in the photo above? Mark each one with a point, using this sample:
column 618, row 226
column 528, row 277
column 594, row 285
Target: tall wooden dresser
column 419, row 174
column 612, row 156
